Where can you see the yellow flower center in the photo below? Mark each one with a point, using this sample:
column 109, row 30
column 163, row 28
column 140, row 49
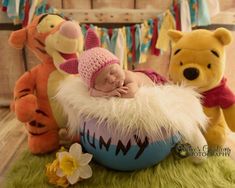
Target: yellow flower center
column 68, row 165
column 51, row 169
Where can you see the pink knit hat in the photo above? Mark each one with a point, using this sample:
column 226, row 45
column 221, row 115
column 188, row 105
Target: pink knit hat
column 92, row 61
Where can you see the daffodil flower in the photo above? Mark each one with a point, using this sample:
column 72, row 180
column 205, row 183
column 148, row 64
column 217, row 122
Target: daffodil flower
column 74, row 164
column 51, row 169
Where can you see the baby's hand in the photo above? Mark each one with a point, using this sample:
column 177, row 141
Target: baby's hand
column 118, row 91
column 114, row 93
column 122, row 90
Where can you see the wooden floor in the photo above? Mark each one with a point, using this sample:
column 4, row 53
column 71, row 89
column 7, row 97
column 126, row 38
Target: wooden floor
column 12, row 140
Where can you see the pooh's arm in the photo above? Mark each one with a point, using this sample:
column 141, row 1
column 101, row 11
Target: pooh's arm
column 229, row 114
column 25, row 102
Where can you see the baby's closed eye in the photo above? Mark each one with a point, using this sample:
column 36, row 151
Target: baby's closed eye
column 106, row 80
column 111, row 72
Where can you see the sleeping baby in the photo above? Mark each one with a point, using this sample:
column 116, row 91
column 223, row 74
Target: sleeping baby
column 102, row 73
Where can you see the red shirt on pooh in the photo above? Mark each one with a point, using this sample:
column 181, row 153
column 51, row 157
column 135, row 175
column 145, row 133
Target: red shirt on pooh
column 219, row 96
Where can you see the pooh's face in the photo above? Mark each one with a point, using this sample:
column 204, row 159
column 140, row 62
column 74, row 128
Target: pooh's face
column 198, row 58
column 201, row 68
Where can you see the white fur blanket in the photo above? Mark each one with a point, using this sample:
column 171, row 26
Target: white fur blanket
column 173, row 107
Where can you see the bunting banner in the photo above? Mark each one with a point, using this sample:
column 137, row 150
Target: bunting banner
column 131, row 44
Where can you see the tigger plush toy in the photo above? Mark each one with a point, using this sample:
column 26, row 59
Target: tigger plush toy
column 53, row 40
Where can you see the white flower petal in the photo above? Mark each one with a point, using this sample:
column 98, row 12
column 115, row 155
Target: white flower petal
column 85, row 172
column 62, row 154
column 74, row 177
column 59, row 172
column 85, row 159
column 75, row 150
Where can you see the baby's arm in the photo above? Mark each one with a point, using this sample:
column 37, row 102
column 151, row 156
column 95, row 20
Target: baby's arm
column 97, row 93
column 115, row 93
column 132, row 85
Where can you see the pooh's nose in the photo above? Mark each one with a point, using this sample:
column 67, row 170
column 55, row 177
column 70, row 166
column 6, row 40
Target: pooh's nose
column 69, row 29
column 191, row 73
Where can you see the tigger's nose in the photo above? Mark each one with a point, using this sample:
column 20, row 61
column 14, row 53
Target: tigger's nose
column 69, row 29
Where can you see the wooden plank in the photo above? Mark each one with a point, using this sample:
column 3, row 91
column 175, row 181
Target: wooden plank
column 230, row 65
column 153, row 4
column 101, row 4
column 55, row 3
column 5, row 115
column 22, row 147
column 77, row 4
column 224, row 17
column 12, row 135
column 10, row 144
column 228, row 17
column 4, row 18
column 2, row 181
column 12, row 141
column 111, row 15
column 11, row 68
column 226, row 4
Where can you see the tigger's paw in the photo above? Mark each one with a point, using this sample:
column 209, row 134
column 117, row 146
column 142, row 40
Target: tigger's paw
column 25, row 108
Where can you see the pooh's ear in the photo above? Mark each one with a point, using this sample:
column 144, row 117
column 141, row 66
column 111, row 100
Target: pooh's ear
column 223, row 35
column 17, row 38
column 174, row 35
column 92, row 40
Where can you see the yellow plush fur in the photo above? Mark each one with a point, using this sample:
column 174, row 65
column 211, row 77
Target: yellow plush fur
column 203, row 51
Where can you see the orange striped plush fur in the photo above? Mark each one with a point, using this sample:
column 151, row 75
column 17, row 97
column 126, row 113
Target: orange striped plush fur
column 53, row 40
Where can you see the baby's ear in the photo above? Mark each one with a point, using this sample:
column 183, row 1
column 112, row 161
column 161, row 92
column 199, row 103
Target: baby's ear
column 92, row 40
column 17, row 38
column 71, row 67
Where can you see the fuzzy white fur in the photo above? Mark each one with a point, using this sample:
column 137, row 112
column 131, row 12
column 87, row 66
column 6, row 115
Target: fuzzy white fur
column 173, row 107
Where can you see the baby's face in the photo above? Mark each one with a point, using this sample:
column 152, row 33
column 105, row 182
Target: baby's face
column 110, row 78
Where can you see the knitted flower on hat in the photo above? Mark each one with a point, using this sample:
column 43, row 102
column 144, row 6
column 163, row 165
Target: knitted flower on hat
column 92, row 61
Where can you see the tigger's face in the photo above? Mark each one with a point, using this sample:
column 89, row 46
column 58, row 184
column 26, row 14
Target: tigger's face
column 51, row 38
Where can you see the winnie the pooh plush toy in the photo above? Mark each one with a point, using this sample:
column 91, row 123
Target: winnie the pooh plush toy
column 198, row 59
column 54, row 41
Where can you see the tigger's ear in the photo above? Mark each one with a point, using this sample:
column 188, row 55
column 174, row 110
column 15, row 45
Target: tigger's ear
column 17, row 38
